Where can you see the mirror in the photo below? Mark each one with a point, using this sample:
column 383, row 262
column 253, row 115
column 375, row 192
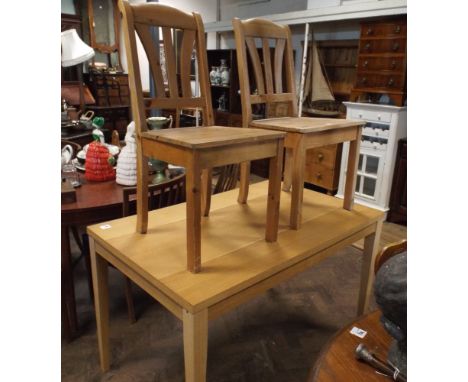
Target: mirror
column 104, row 27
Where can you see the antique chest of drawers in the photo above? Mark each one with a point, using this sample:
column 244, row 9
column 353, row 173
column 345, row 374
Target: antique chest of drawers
column 110, row 89
column 381, row 67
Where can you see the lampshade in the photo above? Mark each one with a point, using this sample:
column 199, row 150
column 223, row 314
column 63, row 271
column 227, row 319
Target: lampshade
column 74, row 50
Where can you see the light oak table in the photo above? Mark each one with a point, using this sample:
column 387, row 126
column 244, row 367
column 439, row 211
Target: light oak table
column 203, row 148
column 238, row 264
column 308, row 133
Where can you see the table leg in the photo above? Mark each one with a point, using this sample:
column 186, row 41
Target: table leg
column 371, row 248
column 351, row 173
column 274, row 194
column 206, row 190
column 142, row 191
column 68, row 287
column 101, row 304
column 244, row 182
column 287, row 172
column 195, row 345
column 193, row 184
column 297, row 193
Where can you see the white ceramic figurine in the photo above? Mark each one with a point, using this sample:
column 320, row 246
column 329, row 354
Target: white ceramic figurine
column 126, row 165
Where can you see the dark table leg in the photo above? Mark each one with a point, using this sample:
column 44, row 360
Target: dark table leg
column 68, row 288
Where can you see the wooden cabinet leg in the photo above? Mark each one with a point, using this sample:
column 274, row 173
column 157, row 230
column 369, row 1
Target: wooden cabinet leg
column 274, row 194
column 101, row 304
column 287, row 172
column 297, row 193
column 371, row 248
column 351, row 173
column 193, row 205
column 195, row 345
column 244, row 182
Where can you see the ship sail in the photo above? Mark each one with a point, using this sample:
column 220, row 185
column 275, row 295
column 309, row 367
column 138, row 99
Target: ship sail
column 316, row 88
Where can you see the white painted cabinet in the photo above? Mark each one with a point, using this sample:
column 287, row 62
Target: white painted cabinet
column 385, row 125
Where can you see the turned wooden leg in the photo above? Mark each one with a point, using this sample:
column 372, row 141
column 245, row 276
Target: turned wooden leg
column 193, row 196
column 351, row 173
column 297, row 193
column 371, row 249
column 195, row 345
column 287, row 172
column 142, row 191
column 274, row 194
column 244, row 182
column 207, row 175
column 101, row 304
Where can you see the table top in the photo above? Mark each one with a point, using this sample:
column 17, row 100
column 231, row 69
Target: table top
column 304, row 124
column 211, row 136
column 337, row 361
column 234, row 253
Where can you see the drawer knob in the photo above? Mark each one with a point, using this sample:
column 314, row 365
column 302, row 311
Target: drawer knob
column 363, row 80
column 391, row 81
column 393, row 64
column 319, row 176
column 396, row 46
column 398, row 29
column 320, row 157
column 365, row 64
column 367, row 46
column 369, row 31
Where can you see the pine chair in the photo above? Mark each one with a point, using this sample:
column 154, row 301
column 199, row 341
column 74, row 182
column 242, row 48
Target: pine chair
column 302, row 133
column 196, row 149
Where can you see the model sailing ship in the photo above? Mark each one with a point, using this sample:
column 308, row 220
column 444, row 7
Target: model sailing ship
column 319, row 100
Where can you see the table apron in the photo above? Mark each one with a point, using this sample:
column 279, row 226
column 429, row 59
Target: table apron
column 252, row 291
column 322, row 138
column 153, row 291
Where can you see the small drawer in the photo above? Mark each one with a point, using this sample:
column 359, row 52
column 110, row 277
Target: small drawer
column 393, row 45
column 370, row 115
column 323, row 156
column 320, row 176
column 387, row 81
column 396, row 64
column 383, row 29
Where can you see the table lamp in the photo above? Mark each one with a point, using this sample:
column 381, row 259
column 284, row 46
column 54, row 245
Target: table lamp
column 75, row 52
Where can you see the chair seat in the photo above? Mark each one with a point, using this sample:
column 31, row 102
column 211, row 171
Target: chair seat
column 210, row 136
column 304, row 125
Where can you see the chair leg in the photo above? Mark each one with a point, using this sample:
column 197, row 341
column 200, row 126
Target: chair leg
column 142, row 191
column 76, row 236
column 130, row 303
column 244, row 182
column 287, row 173
column 207, row 175
column 85, row 239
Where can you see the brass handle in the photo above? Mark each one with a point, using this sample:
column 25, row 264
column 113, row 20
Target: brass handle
column 320, row 157
column 367, row 46
column 365, row 64
column 397, row 29
column 363, row 80
column 391, row 81
column 369, row 31
column 396, row 46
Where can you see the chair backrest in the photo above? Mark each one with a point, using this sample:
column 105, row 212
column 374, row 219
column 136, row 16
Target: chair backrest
column 141, row 19
column 388, row 252
column 268, row 77
column 227, row 180
column 159, row 195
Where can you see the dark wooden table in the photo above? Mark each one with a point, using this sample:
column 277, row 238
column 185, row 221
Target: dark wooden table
column 337, row 361
column 95, row 202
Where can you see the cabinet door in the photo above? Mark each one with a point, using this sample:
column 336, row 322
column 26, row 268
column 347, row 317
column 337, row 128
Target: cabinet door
column 368, row 182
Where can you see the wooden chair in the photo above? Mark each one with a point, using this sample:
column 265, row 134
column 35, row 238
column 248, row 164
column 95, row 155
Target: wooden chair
column 159, row 196
column 388, row 252
column 268, row 88
column 196, row 149
column 227, row 180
